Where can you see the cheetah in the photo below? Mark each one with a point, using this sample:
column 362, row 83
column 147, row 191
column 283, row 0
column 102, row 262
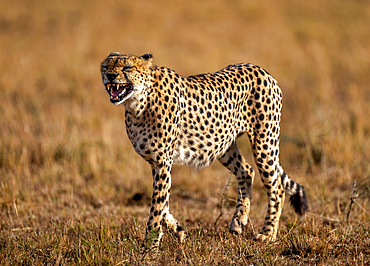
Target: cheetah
column 195, row 120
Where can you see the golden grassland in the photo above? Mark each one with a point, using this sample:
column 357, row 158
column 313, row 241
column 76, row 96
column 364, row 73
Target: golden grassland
column 73, row 190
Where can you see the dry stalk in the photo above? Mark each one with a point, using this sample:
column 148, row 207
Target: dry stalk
column 223, row 197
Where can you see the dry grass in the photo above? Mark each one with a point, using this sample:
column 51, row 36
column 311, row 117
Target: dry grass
column 72, row 189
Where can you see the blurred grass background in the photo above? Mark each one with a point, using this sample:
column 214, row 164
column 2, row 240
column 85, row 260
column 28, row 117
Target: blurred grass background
column 64, row 153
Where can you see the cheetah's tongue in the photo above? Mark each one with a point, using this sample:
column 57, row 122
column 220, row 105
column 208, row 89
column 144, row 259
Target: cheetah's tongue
column 116, row 90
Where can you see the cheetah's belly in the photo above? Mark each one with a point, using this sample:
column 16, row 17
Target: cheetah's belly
column 199, row 155
column 186, row 156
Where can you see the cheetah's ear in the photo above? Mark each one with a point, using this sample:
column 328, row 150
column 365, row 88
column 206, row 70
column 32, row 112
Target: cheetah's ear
column 114, row 54
column 148, row 59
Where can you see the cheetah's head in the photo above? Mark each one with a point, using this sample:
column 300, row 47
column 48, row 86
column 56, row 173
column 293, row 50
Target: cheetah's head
column 125, row 75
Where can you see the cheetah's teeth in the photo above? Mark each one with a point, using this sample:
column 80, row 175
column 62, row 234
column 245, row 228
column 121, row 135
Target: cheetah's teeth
column 118, row 91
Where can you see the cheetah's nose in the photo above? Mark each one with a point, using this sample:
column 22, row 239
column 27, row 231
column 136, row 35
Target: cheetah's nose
column 111, row 76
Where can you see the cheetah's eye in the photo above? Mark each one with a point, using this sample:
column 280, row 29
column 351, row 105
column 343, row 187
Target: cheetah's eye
column 128, row 68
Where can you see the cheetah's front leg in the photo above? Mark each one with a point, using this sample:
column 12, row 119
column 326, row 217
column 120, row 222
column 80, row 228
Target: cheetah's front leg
column 160, row 197
column 159, row 211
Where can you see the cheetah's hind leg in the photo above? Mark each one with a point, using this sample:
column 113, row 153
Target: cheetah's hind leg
column 235, row 162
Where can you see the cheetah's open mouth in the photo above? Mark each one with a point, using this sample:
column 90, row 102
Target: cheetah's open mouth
column 117, row 91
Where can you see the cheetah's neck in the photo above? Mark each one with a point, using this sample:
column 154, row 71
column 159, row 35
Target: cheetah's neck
column 137, row 103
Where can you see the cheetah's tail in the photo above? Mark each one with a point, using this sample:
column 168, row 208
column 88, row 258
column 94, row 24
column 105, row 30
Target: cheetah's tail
column 297, row 194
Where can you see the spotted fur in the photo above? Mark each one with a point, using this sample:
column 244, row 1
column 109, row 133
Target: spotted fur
column 171, row 119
